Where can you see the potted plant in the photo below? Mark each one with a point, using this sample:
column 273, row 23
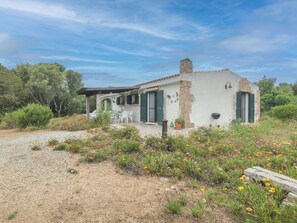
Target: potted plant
column 179, row 123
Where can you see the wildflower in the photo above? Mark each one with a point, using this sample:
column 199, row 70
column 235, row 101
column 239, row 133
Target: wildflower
column 272, row 190
column 267, row 184
column 210, row 149
column 145, row 167
column 280, row 171
column 249, row 210
column 185, row 158
column 202, row 189
column 219, row 168
column 240, row 188
column 225, row 188
column 266, row 179
column 242, row 177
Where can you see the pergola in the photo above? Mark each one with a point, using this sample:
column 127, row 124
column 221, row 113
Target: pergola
column 88, row 92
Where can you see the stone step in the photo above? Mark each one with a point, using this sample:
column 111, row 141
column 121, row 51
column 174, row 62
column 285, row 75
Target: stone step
column 287, row 183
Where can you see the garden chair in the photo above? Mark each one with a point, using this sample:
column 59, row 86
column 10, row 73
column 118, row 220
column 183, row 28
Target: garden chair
column 130, row 116
column 125, row 117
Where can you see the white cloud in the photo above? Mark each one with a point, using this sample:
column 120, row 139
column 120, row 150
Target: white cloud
column 254, row 43
column 70, row 58
column 107, row 17
column 143, row 53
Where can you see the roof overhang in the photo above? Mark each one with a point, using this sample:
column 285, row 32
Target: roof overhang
column 105, row 90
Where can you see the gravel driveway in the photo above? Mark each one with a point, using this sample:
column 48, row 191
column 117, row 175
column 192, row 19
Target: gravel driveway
column 35, row 187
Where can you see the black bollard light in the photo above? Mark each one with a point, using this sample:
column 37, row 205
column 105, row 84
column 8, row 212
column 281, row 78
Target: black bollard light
column 164, row 128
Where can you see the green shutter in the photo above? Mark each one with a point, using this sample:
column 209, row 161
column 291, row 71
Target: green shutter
column 251, row 108
column 129, row 99
column 238, row 105
column 118, row 100
column 143, row 107
column 136, row 99
column 160, row 100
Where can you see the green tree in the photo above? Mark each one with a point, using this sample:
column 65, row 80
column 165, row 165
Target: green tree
column 266, row 85
column 295, row 88
column 10, row 90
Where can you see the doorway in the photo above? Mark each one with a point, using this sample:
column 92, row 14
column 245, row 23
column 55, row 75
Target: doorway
column 152, row 107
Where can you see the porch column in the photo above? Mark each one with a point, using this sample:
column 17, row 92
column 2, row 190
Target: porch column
column 98, row 103
column 88, row 107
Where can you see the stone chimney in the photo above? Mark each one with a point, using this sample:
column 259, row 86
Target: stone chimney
column 186, row 66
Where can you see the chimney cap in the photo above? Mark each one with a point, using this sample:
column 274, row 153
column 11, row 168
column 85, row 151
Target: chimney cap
column 186, row 59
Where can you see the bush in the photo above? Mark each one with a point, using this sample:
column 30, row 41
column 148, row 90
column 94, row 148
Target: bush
column 103, row 119
column 10, row 120
column 53, row 142
column 282, row 99
column 285, row 112
column 197, row 210
column 173, row 207
column 31, row 115
column 129, row 146
column 60, row 147
column 70, row 123
column 128, row 132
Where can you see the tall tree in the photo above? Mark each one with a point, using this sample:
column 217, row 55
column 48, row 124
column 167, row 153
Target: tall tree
column 266, row 85
column 10, row 90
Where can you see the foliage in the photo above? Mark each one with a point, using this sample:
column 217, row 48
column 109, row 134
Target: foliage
column 197, row 210
column 266, row 85
column 282, row 99
column 53, row 142
column 285, row 112
column 180, row 121
column 33, row 115
column 173, row 207
column 103, row 119
column 267, row 102
column 10, row 90
column 211, row 160
column 70, row 123
column 35, row 146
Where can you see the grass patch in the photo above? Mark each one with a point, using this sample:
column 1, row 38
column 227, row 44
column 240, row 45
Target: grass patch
column 12, row 216
column 173, row 207
column 197, row 210
column 52, row 142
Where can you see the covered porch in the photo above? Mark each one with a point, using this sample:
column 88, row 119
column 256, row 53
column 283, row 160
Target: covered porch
column 101, row 93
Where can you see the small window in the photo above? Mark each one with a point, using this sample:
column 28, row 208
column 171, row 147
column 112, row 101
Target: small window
column 121, row 100
column 133, row 99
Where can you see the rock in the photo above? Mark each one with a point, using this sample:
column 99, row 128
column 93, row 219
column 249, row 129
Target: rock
column 163, row 179
column 258, row 173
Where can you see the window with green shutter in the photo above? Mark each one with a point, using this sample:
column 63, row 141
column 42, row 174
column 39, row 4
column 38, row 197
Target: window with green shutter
column 251, row 108
column 160, row 101
column 238, row 105
column 143, row 107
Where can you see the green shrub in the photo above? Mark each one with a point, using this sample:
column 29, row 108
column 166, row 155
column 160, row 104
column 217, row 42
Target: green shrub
column 182, row 200
column 282, row 99
column 103, row 119
column 128, row 132
column 197, row 210
column 61, row 147
column 31, row 115
column 10, row 120
column 53, row 142
column 95, row 157
column 129, row 146
column 173, row 207
column 70, row 123
column 285, row 112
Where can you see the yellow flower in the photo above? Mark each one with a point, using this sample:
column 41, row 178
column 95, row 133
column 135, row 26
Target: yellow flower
column 249, row 210
column 266, row 179
column 240, row 188
column 202, row 189
column 185, row 158
column 242, row 177
column 272, row 190
column 225, row 188
column 145, row 167
column 267, row 184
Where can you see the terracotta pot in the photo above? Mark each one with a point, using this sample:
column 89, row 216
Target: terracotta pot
column 177, row 126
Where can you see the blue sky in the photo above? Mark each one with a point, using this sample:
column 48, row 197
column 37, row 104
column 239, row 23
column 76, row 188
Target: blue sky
column 124, row 42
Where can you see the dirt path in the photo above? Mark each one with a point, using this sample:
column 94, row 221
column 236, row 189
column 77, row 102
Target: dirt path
column 36, row 187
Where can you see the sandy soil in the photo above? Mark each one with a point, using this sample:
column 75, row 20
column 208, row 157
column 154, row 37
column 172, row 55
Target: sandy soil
column 37, row 187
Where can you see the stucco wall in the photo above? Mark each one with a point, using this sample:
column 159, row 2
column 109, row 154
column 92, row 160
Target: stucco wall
column 210, row 96
column 126, row 107
column 171, row 101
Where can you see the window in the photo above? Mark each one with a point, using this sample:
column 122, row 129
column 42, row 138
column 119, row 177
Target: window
column 133, row 99
column 121, row 100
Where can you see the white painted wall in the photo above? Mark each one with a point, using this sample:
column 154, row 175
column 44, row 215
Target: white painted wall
column 171, row 101
column 126, row 107
column 210, row 96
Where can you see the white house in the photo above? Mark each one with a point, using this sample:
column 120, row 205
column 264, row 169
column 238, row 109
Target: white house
column 201, row 98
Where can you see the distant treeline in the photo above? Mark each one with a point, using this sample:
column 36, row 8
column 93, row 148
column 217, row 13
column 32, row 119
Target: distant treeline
column 276, row 95
column 48, row 84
